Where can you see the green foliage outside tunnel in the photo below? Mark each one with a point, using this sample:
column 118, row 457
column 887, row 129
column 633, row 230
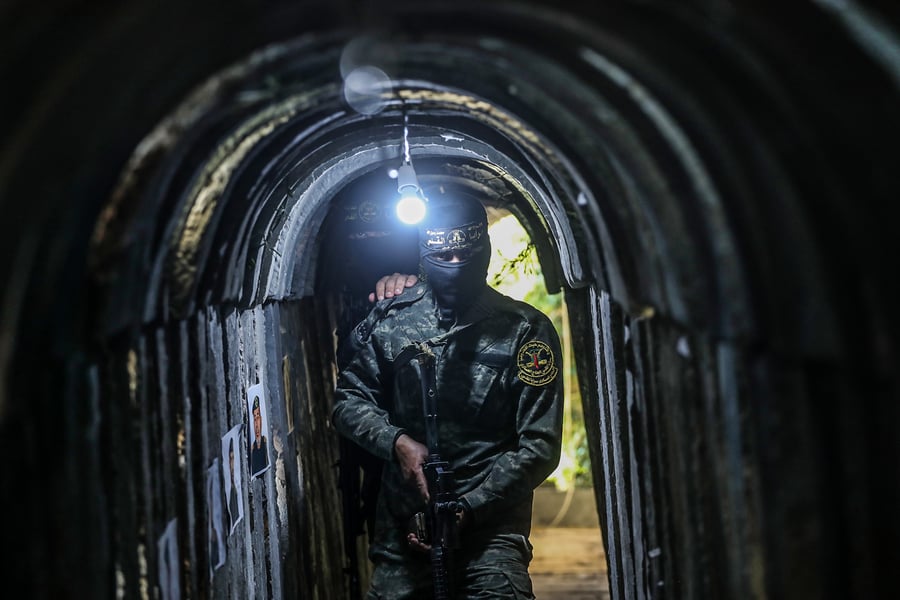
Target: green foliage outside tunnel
column 516, row 272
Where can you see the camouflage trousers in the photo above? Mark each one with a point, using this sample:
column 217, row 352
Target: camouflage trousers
column 493, row 568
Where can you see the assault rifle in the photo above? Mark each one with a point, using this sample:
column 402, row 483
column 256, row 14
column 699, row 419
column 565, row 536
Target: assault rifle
column 438, row 526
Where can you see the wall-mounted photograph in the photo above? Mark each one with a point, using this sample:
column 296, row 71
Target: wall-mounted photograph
column 214, row 507
column 168, row 571
column 259, row 428
column 232, row 475
column 288, row 390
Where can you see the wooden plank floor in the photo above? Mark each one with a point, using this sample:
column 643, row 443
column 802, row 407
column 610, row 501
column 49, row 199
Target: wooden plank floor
column 568, row 564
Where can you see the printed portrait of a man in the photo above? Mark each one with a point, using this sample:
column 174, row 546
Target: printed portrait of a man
column 259, row 426
column 231, row 475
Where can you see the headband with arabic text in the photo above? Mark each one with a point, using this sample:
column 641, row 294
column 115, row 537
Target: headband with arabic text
column 463, row 237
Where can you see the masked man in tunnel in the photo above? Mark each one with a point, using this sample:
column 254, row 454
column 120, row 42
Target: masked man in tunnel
column 498, row 405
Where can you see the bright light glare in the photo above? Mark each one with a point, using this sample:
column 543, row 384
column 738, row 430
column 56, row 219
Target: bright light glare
column 410, row 209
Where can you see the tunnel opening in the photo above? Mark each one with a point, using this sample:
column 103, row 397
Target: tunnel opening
column 269, row 250
column 696, row 185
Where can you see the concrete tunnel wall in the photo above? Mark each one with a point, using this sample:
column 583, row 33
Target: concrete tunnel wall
column 715, row 207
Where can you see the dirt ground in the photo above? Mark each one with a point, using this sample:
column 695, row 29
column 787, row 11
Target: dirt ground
column 568, row 564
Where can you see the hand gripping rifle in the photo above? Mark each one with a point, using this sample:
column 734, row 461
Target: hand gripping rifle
column 438, row 526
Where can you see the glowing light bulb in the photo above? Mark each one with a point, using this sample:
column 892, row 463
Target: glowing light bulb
column 411, row 206
column 410, row 209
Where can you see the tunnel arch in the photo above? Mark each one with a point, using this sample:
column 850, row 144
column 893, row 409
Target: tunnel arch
column 711, row 161
column 654, row 282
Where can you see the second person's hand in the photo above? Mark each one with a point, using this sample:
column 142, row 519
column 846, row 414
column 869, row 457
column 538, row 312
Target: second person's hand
column 392, row 285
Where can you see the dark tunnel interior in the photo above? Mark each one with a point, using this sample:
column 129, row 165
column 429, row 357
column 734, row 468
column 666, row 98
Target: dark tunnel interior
column 190, row 212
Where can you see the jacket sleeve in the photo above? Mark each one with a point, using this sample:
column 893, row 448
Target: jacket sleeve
column 515, row 473
column 358, row 412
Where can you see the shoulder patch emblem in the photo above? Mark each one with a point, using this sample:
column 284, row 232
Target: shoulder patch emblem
column 537, row 365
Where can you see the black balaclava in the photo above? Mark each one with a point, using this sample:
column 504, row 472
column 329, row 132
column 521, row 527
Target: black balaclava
column 455, row 224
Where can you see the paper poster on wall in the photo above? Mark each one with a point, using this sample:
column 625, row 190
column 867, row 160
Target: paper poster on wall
column 232, row 474
column 167, row 555
column 214, row 508
column 288, row 391
column 259, row 430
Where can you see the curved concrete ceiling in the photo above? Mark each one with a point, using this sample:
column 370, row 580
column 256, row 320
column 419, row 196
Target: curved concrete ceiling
column 669, row 151
column 628, row 178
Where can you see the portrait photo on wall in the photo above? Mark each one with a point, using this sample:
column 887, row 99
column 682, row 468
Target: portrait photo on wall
column 259, row 430
column 288, row 389
column 168, row 567
column 214, row 508
column 232, row 475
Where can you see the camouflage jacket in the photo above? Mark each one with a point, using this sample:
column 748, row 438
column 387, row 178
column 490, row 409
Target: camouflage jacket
column 499, row 405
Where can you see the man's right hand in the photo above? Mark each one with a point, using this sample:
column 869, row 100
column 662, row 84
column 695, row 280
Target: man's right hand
column 412, row 455
column 392, row 285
